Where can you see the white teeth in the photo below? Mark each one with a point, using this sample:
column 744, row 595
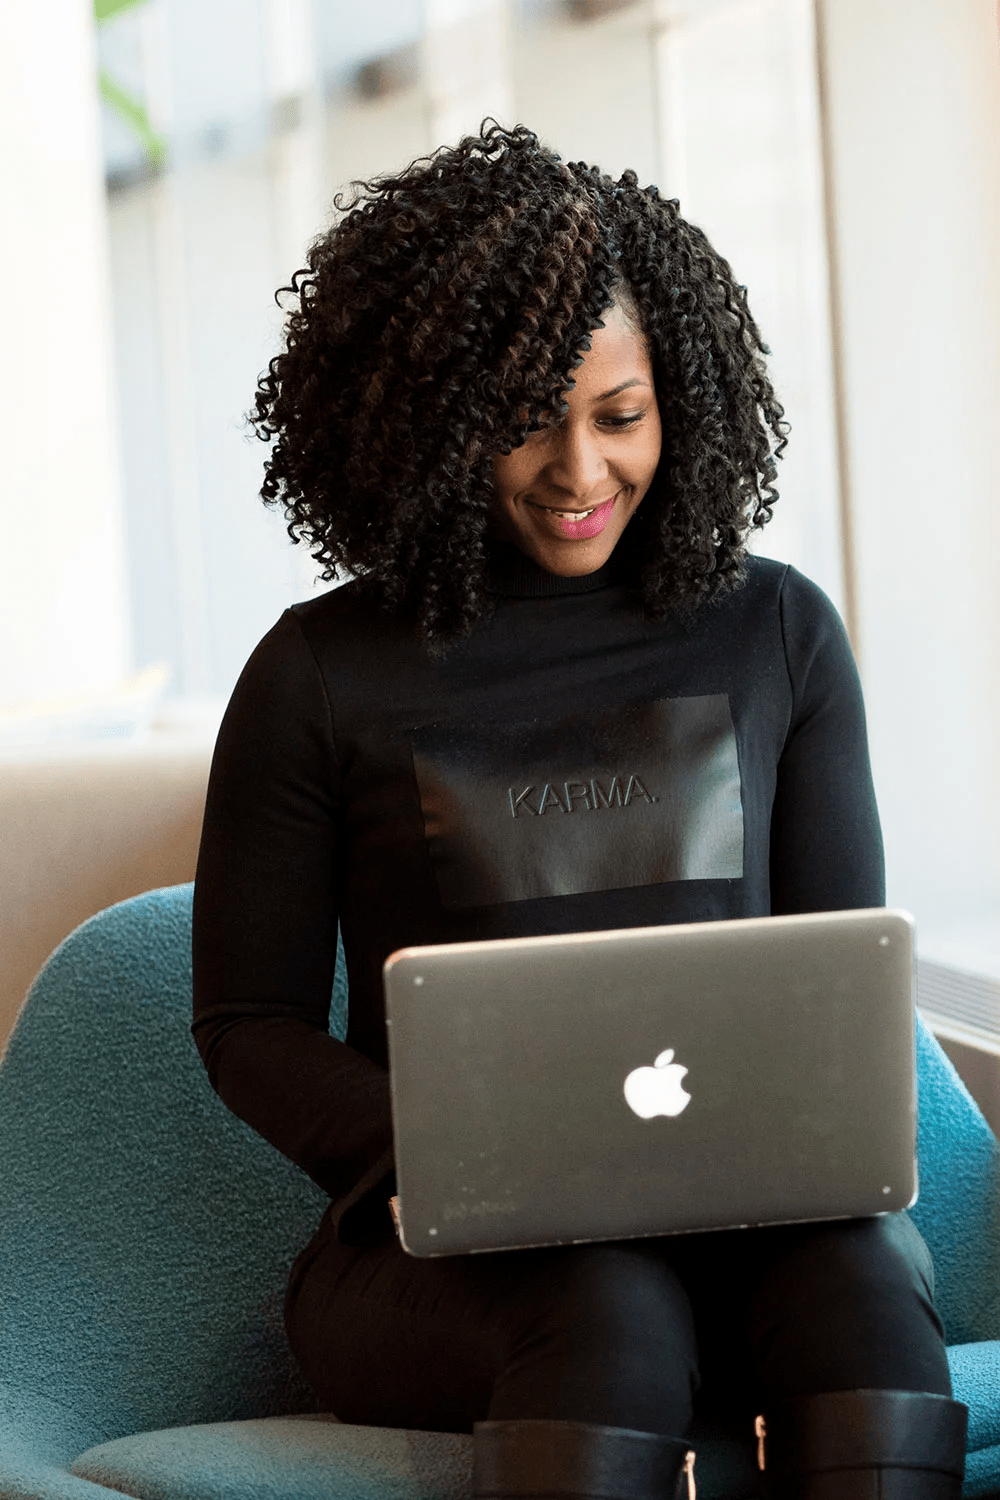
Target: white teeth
column 573, row 515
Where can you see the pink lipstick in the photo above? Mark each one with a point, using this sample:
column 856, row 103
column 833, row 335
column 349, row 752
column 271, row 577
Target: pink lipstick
column 590, row 525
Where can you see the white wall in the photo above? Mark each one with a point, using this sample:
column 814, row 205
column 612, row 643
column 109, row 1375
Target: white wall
column 62, row 589
column 913, row 90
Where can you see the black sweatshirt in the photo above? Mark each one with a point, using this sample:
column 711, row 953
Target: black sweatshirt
column 569, row 767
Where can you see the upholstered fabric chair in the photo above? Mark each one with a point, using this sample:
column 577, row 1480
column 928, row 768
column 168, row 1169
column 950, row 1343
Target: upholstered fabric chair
column 145, row 1236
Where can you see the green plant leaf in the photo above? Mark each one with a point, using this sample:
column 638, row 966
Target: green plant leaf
column 133, row 112
column 105, row 8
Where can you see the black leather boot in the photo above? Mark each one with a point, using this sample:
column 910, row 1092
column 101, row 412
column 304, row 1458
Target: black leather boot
column 864, row 1445
column 530, row 1459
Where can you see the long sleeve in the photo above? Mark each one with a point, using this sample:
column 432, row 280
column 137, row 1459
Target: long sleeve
column 826, row 843
column 265, row 928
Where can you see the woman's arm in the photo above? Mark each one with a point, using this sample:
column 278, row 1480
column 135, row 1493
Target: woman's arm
column 265, row 928
column 826, row 842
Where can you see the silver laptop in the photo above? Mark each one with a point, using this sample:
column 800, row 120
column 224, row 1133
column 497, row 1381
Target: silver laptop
column 650, row 1081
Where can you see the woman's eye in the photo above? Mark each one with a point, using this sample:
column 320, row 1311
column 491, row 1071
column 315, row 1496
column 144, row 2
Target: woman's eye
column 623, row 420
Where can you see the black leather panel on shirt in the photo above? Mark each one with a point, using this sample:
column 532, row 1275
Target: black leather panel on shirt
column 628, row 796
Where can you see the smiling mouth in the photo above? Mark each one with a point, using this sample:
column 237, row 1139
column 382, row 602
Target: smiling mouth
column 575, row 525
column 571, row 515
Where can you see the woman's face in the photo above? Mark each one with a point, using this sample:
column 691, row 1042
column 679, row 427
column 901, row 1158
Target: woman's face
column 566, row 495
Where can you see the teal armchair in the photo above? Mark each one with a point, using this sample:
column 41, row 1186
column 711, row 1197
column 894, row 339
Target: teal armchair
column 146, row 1234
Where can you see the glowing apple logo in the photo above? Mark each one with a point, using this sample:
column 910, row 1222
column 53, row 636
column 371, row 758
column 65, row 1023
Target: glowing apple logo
column 657, row 1090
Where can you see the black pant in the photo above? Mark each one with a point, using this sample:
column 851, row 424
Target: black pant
column 624, row 1333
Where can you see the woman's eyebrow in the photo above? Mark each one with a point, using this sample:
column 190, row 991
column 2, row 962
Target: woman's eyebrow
column 625, row 385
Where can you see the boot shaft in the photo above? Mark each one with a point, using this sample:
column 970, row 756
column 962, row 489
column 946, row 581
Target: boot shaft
column 864, row 1445
column 531, row 1459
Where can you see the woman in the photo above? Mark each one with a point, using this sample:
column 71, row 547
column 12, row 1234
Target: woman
column 527, row 408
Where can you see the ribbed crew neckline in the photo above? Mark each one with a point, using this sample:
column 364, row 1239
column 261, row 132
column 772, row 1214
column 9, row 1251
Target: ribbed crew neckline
column 513, row 574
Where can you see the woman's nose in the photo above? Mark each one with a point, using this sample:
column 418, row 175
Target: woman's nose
column 577, row 463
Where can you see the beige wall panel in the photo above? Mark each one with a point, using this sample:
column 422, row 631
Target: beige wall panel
column 81, row 832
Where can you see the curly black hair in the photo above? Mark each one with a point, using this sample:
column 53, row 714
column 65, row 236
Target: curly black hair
column 439, row 321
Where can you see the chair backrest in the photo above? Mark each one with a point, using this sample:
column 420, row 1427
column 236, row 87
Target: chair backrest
column 958, row 1211
column 145, row 1233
